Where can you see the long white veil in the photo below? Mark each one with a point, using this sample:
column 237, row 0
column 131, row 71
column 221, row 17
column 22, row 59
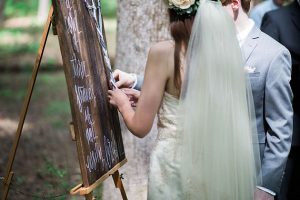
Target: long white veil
column 220, row 155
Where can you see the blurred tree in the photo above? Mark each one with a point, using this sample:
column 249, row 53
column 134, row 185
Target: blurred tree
column 140, row 25
column 43, row 10
column 2, row 3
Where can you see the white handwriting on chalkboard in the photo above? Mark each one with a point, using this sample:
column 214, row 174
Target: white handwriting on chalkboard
column 114, row 145
column 94, row 158
column 68, row 4
column 108, row 152
column 90, row 135
column 88, row 116
column 103, row 163
column 72, row 25
column 79, row 69
column 83, row 95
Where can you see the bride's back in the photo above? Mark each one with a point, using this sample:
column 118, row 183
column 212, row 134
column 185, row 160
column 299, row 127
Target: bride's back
column 166, row 51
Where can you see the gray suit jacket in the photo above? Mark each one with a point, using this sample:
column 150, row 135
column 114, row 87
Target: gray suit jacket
column 272, row 98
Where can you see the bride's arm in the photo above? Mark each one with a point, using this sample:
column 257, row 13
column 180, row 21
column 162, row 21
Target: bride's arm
column 139, row 122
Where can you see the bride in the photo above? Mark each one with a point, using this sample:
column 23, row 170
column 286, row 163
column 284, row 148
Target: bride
column 206, row 147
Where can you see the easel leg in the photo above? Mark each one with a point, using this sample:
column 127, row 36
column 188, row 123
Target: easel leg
column 119, row 184
column 8, row 175
column 6, row 186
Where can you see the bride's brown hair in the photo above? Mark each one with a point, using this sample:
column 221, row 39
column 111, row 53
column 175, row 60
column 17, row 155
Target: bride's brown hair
column 180, row 28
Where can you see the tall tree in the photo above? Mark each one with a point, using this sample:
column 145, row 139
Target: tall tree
column 2, row 5
column 140, row 25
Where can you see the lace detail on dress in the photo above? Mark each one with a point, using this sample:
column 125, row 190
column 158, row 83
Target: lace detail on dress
column 167, row 117
column 164, row 179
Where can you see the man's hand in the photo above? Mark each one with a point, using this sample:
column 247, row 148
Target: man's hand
column 262, row 195
column 123, row 79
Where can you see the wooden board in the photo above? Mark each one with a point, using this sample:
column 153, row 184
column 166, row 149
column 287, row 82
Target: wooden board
column 82, row 41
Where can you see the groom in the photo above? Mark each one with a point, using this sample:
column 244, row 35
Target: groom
column 268, row 65
column 269, row 68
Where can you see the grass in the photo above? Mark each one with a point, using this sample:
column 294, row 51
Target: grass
column 10, row 90
column 55, row 110
column 51, row 104
column 60, row 176
column 12, row 95
column 50, row 92
column 55, row 178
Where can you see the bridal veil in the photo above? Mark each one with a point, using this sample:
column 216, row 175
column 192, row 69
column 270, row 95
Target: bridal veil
column 220, row 152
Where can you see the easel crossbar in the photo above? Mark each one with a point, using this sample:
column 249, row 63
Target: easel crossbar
column 81, row 190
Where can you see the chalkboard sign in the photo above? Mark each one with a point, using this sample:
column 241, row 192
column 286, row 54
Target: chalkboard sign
column 87, row 69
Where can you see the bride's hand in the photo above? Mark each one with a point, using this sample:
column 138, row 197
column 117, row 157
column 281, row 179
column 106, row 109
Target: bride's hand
column 118, row 98
column 133, row 96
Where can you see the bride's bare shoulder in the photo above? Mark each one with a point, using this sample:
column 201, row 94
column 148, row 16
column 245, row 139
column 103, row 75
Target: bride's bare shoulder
column 162, row 48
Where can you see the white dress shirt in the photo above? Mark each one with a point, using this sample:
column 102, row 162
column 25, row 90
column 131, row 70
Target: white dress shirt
column 242, row 35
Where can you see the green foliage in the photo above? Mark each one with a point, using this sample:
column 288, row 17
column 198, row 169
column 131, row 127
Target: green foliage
column 58, row 107
column 57, row 178
column 17, row 8
column 52, row 86
column 6, row 50
column 10, row 94
column 48, row 169
column 20, row 180
column 109, row 8
column 13, row 49
column 54, row 112
column 19, row 31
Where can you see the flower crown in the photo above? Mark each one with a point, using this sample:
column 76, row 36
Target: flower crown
column 184, row 7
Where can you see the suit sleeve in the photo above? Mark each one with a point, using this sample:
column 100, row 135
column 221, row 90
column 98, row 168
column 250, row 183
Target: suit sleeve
column 279, row 120
column 139, row 82
column 269, row 26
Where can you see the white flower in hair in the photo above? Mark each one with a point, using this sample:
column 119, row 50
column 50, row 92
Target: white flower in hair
column 182, row 4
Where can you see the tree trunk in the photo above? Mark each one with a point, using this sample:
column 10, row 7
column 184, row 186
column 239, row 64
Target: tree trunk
column 43, row 10
column 140, row 25
column 2, row 5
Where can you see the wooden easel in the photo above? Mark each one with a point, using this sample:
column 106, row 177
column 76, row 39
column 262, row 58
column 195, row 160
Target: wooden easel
column 88, row 192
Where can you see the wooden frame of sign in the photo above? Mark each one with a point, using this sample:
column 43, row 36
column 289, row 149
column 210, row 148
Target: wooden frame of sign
column 79, row 25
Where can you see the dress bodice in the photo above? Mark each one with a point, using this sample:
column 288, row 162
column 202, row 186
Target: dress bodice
column 164, row 177
column 168, row 117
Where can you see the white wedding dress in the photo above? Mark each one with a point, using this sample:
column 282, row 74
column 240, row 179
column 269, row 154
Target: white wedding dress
column 164, row 179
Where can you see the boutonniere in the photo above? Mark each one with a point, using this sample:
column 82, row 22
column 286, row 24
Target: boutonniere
column 250, row 69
